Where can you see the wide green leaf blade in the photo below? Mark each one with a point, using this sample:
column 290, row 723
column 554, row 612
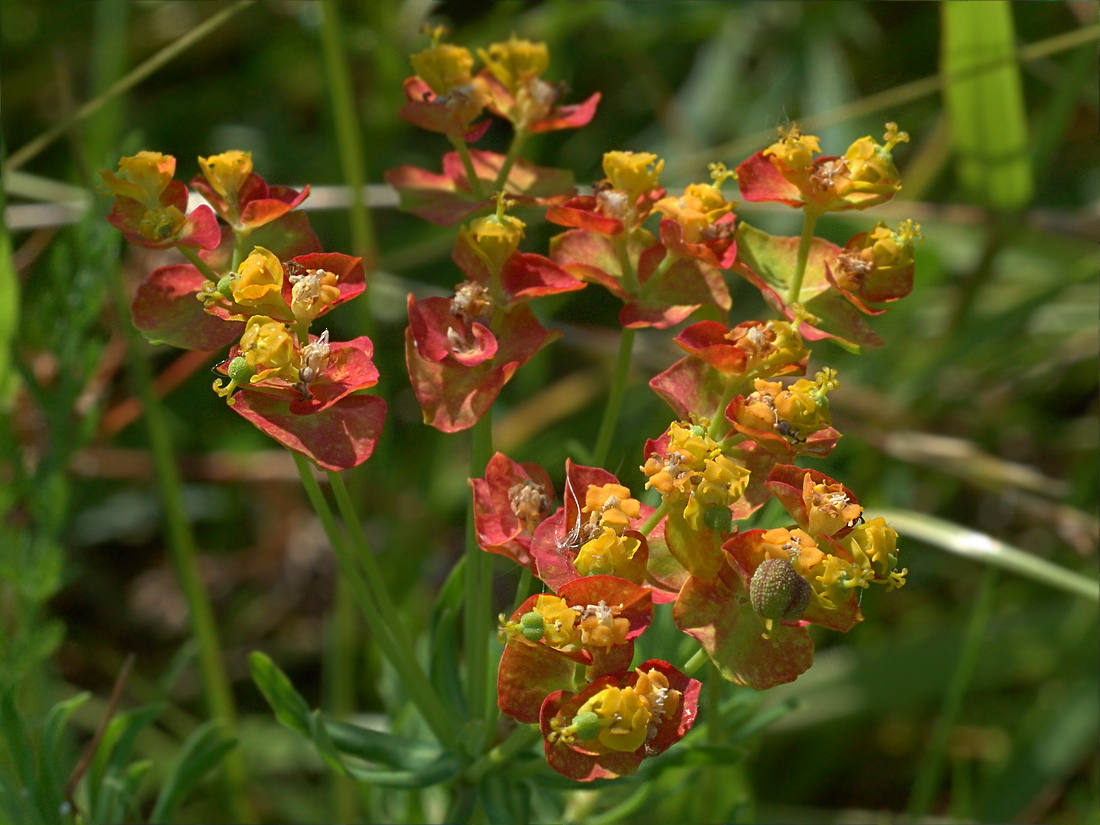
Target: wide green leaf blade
column 985, row 102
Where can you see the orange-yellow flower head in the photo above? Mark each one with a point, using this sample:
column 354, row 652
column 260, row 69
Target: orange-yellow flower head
column 142, row 177
column 227, row 172
column 444, row 67
column 497, row 236
column 259, row 282
column 515, row 62
column 634, row 173
column 794, row 150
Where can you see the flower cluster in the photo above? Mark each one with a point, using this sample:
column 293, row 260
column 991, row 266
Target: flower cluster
column 297, row 386
column 745, row 413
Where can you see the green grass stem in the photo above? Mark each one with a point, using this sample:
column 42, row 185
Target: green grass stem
column 614, row 405
column 181, row 541
column 962, row 541
column 478, row 613
column 931, row 768
column 349, row 137
column 359, row 567
column 32, row 148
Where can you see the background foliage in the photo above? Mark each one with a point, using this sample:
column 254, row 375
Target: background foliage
column 980, row 410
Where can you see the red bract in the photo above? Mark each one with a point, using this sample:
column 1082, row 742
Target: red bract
column 448, row 198
column 767, row 261
column 509, row 503
column 503, row 104
column 665, row 293
column 254, row 205
column 337, row 438
column 348, row 368
column 559, row 538
column 166, row 311
column 592, row 621
column 658, row 706
column 320, row 419
column 451, row 114
column 458, row 372
column 718, row 614
column 523, row 275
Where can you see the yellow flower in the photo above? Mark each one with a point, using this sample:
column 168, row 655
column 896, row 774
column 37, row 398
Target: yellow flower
column 515, row 61
column 634, row 173
column 269, row 349
column 495, row 237
column 607, row 554
column 601, row 626
column 559, row 621
column 259, row 282
column 313, row 291
column 870, row 166
column 444, row 67
column 794, row 150
column 142, row 177
column 828, row 507
column 611, row 506
column 227, row 172
column 624, row 718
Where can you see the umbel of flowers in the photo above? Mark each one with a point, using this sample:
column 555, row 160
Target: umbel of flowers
column 745, row 414
column 257, row 280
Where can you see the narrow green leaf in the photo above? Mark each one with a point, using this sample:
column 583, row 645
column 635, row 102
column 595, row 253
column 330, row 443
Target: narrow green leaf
column 444, row 769
column 112, row 755
column 976, row 546
column 387, row 749
column 985, row 102
column 200, row 753
column 50, row 756
column 290, row 708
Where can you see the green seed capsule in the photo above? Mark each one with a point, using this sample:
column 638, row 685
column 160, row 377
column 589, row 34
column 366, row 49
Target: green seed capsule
column 718, row 518
column 586, row 725
column 225, row 286
column 531, row 626
column 778, row 592
column 239, row 370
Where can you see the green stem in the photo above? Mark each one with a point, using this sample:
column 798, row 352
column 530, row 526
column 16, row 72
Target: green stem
column 695, row 662
column 519, row 739
column 476, row 189
column 199, row 264
column 358, row 566
column 518, row 139
column 181, row 540
column 809, row 221
column 477, row 618
column 931, row 768
column 349, row 141
column 655, row 518
column 339, row 669
column 614, row 399
column 720, row 423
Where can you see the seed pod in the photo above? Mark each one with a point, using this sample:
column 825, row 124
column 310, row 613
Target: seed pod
column 718, row 518
column 239, row 370
column 532, row 625
column 587, row 725
column 778, row 592
column 225, row 286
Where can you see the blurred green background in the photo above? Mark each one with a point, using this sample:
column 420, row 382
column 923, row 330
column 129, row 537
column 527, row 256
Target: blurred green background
column 980, row 410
